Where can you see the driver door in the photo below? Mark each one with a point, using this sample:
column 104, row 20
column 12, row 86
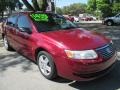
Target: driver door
column 24, row 40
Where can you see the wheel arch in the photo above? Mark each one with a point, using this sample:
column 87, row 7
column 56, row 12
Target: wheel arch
column 38, row 50
column 110, row 20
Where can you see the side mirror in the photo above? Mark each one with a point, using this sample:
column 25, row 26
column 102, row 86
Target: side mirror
column 24, row 29
column 10, row 23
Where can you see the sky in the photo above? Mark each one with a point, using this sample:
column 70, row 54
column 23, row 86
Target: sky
column 61, row 3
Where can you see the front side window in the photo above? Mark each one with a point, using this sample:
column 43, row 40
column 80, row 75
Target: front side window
column 51, row 22
column 23, row 22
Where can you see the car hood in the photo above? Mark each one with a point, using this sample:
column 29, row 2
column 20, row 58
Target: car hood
column 109, row 18
column 77, row 39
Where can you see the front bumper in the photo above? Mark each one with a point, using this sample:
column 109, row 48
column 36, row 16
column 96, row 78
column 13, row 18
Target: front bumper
column 83, row 71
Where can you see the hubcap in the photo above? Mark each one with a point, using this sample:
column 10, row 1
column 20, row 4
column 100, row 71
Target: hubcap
column 109, row 23
column 5, row 43
column 44, row 65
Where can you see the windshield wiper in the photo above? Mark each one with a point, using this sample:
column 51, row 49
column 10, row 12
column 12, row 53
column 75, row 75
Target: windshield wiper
column 69, row 27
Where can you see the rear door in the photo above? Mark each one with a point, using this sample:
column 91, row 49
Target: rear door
column 10, row 30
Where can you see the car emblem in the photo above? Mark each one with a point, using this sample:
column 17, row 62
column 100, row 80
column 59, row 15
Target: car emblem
column 108, row 50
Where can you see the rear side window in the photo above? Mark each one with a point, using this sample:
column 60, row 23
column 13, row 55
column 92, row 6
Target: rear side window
column 11, row 21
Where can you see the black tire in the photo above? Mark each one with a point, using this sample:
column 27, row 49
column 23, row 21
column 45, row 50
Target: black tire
column 109, row 23
column 6, row 44
column 51, row 64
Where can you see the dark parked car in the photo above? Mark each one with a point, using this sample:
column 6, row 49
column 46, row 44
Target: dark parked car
column 58, row 46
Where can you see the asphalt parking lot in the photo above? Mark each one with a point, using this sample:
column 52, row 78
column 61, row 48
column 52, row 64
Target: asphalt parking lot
column 19, row 73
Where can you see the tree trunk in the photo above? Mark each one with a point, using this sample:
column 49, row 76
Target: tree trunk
column 35, row 5
column 2, row 14
column 28, row 5
column 39, row 5
column 10, row 10
column 44, row 5
column 53, row 7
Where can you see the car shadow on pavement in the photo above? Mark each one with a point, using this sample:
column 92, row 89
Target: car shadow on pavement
column 62, row 80
column 14, row 60
column 109, row 82
column 7, row 61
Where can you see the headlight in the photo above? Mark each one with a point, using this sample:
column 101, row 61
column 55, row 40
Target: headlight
column 86, row 54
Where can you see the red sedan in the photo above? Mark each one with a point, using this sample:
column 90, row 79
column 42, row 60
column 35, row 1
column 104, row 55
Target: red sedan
column 58, row 46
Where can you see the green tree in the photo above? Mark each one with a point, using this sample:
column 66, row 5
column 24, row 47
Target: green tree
column 77, row 8
column 65, row 10
column 11, row 4
column 91, row 6
column 59, row 10
column 74, row 9
column 106, row 7
column 116, row 8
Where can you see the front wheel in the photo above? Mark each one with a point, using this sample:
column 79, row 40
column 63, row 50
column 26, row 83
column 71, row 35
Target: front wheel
column 46, row 65
column 109, row 23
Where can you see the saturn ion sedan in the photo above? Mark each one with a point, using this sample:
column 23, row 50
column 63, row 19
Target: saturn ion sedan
column 58, row 46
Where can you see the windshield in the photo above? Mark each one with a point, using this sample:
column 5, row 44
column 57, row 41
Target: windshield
column 51, row 22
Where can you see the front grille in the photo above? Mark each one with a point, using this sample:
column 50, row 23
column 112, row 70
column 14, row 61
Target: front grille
column 106, row 52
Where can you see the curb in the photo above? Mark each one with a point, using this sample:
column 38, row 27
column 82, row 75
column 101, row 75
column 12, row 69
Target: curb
column 89, row 22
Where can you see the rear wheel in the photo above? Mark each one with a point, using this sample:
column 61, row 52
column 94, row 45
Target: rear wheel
column 6, row 44
column 46, row 65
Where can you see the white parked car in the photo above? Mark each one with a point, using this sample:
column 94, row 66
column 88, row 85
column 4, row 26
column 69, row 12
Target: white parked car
column 76, row 19
column 112, row 20
column 94, row 18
